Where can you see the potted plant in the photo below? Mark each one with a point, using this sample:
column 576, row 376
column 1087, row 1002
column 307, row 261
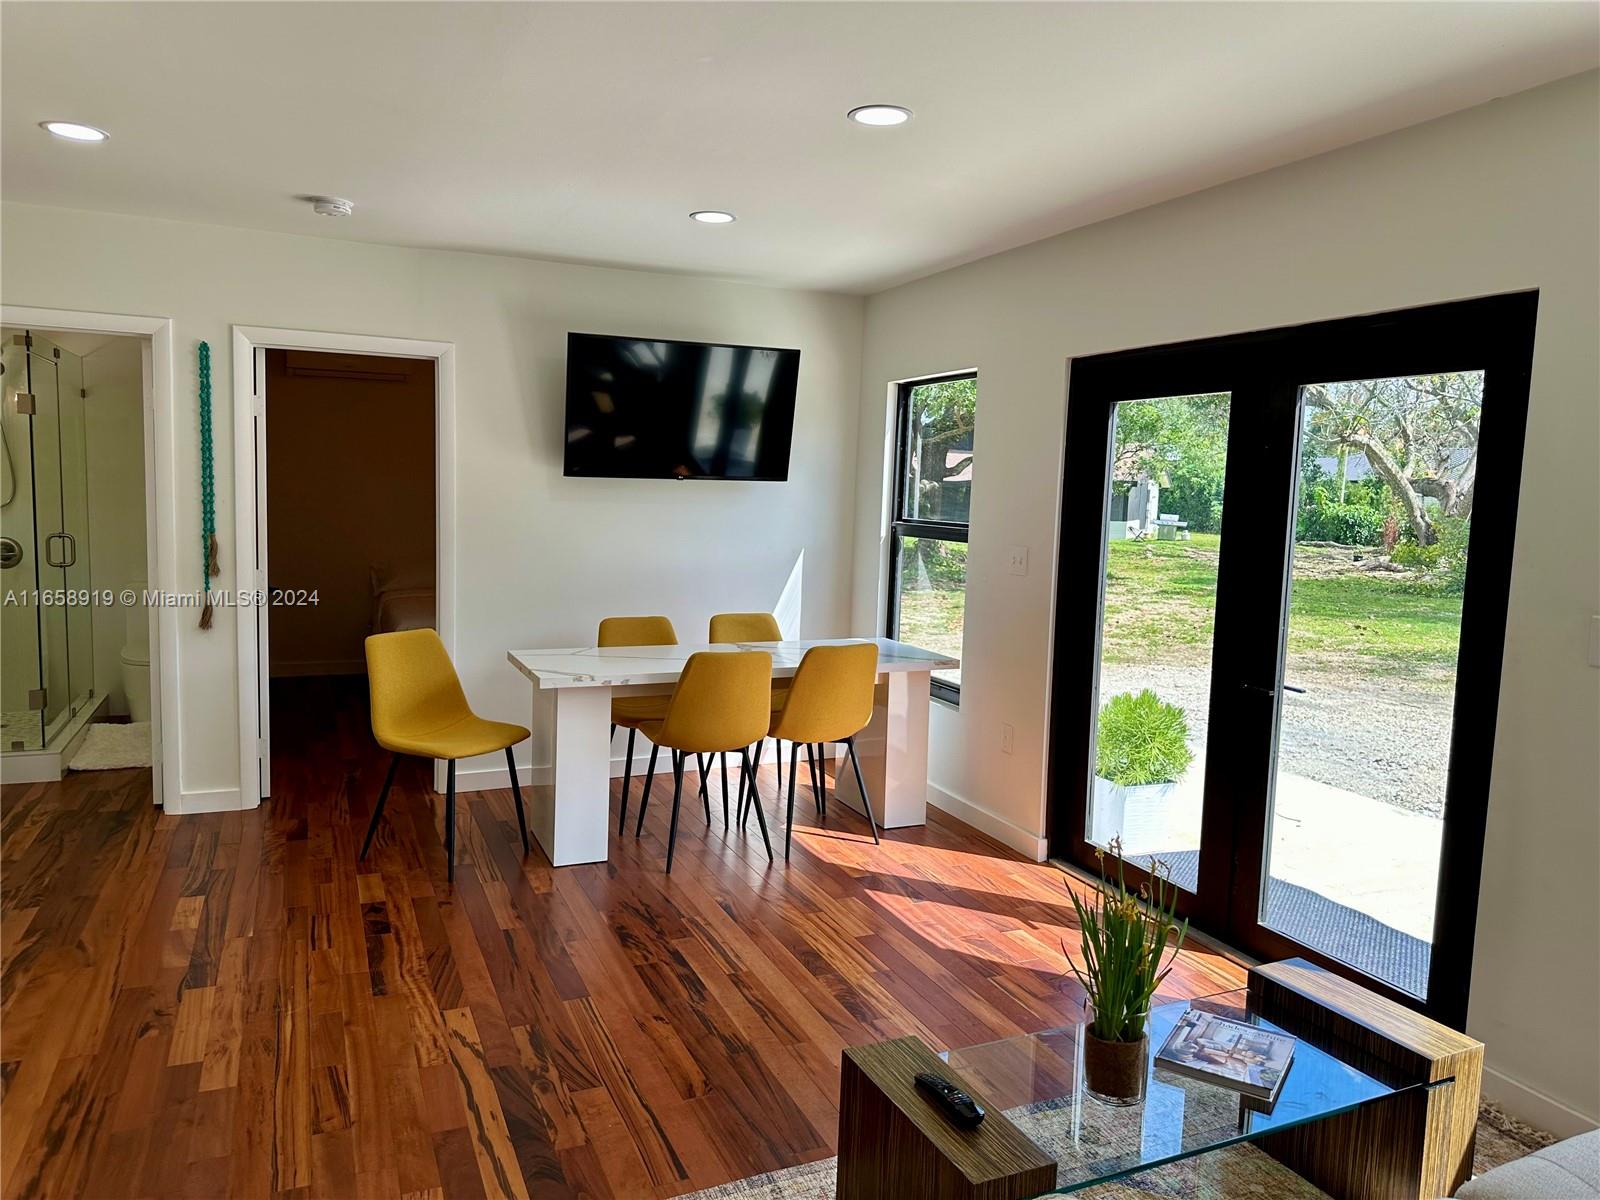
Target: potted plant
column 1141, row 751
column 1124, row 939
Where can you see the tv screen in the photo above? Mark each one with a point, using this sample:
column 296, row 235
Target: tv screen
column 641, row 408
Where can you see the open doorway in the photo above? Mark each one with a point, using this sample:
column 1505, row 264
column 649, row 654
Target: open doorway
column 76, row 689
column 350, row 523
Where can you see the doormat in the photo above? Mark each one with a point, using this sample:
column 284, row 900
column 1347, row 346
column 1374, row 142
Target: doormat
column 110, row 747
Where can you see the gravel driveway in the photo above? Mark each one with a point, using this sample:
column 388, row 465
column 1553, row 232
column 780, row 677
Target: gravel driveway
column 1384, row 738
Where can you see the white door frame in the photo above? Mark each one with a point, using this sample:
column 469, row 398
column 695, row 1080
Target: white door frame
column 249, row 516
column 161, row 521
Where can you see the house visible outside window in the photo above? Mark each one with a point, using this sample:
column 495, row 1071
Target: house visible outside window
column 934, row 422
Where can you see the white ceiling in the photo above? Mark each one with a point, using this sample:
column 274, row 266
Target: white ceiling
column 589, row 131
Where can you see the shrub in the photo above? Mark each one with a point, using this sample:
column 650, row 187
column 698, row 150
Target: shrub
column 1347, row 524
column 1142, row 739
column 1444, row 563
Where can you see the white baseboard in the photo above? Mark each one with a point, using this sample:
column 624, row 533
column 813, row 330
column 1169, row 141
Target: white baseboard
column 208, row 801
column 1533, row 1106
column 30, row 766
column 1023, row 841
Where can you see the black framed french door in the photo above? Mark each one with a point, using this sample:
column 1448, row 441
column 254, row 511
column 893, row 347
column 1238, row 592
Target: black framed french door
column 1282, row 583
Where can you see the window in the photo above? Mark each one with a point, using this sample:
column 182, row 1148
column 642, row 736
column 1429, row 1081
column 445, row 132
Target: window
column 934, row 422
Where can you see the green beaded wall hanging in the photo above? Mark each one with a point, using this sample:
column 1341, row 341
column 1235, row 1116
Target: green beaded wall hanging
column 208, row 487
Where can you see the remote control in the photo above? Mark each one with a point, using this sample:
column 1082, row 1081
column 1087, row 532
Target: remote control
column 958, row 1106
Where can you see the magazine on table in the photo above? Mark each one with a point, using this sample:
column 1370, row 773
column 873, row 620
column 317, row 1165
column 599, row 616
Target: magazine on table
column 1233, row 1054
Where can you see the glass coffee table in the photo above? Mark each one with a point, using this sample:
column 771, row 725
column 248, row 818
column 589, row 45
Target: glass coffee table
column 1378, row 1101
column 1037, row 1081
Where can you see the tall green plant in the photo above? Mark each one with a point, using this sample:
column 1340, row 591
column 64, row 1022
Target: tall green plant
column 1123, row 941
column 1141, row 739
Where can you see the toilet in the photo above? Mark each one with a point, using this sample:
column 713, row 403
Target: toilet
column 135, row 658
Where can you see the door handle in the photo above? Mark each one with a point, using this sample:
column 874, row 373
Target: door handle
column 72, row 550
column 50, row 559
column 1272, row 691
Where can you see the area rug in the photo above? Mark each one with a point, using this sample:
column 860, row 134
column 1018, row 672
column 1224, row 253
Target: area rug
column 1239, row 1172
column 109, row 746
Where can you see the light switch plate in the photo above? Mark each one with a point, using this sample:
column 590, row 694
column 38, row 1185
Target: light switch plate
column 1008, row 739
column 1019, row 560
column 1594, row 640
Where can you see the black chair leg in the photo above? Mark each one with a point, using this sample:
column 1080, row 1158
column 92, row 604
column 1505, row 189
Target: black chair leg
column 627, row 778
column 649, row 779
column 861, row 786
column 377, row 812
column 811, row 765
column 677, row 795
column 705, row 792
column 777, row 760
column 516, row 794
column 794, row 762
column 822, row 780
column 755, row 801
column 723, row 758
column 450, row 819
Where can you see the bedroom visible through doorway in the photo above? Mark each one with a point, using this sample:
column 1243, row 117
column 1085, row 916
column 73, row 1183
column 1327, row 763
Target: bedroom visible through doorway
column 350, row 517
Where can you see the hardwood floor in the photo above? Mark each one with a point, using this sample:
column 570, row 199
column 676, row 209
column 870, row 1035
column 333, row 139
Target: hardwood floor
column 230, row 1005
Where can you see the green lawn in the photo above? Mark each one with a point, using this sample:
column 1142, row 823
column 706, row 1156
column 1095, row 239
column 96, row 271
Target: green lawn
column 1160, row 597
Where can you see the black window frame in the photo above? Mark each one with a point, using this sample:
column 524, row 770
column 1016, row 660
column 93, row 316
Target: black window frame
column 901, row 526
column 1263, row 372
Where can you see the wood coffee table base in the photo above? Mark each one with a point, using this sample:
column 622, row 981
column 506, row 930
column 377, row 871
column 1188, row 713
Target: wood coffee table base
column 894, row 1142
column 1413, row 1146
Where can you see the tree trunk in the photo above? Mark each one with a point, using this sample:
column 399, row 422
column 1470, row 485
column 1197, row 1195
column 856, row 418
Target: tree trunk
column 1391, row 474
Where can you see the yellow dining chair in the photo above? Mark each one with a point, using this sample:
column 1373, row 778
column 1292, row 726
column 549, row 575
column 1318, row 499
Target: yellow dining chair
column 418, row 708
column 830, row 700
column 727, row 628
column 723, row 701
column 630, row 712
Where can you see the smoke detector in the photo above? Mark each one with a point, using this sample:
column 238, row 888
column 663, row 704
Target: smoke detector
column 331, row 206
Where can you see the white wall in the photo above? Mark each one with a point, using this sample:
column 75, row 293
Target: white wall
column 540, row 558
column 1498, row 198
column 113, row 375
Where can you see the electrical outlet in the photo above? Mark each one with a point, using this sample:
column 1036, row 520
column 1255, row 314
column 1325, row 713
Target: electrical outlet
column 1008, row 739
column 1019, row 560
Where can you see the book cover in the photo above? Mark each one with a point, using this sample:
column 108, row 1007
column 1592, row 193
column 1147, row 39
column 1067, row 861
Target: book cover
column 1231, row 1053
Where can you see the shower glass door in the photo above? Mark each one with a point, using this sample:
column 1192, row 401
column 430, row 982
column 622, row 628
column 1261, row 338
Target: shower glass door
column 21, row 671
column 48, row 624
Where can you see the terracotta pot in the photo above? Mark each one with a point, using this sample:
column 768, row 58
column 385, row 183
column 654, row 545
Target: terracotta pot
column 1114, row 1072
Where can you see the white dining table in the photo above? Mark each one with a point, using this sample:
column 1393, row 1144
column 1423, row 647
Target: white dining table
column 569, row 804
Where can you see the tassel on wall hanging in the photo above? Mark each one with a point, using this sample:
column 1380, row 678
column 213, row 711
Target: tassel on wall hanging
column 208, row 487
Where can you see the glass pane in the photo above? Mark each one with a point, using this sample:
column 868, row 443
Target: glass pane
column 75, row 523
column 21, row 727
column 51, row 547
column 1163, row 543
column 1386, row 492
column 939, row 454
column 933, row 597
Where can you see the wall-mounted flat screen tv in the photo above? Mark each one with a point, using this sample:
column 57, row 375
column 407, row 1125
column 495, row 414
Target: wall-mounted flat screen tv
column 642, row 408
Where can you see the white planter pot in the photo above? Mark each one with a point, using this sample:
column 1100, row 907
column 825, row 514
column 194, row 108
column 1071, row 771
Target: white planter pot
column 1140, row 815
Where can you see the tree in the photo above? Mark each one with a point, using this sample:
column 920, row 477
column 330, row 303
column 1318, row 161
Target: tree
column 943, row 417
column 1419, row 434
column 1181, row 442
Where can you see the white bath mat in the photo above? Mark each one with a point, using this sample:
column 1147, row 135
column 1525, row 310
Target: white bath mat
column 108, row 747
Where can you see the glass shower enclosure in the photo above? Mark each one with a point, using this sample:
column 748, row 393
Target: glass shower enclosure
column 46, row 623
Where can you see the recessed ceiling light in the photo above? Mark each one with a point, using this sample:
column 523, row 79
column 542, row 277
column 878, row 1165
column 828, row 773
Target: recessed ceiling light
column 879, row 114
column 712, row 216
column 74, row 132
